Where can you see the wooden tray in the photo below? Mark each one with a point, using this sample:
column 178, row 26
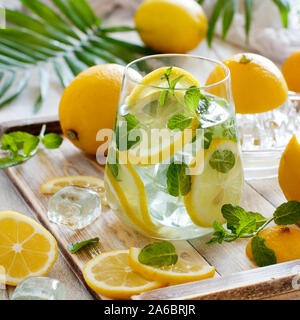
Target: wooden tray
column 236, row 276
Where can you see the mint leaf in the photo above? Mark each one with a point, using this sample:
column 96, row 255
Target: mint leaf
column 163, row 97
column 7, row 162
column 8, row 143
column 192, row 98
column 173, row 83
column 239, row 221
column 158, row 254
column 122, row 132
column 52, row 140
column 167, row 74
column 74, row 247
column 262, row 255
column 287, row 213
column 178, row 182
column 221, row 234
column 30, row 144
column 179, row 121
column 208, row 135
column 222, row 160
column 259, row 218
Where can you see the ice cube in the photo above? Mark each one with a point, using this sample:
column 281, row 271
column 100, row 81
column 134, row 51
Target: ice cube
column 74, row 206
column 39, row 288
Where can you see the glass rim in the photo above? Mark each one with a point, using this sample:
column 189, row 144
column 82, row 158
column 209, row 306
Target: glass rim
column 129, row 65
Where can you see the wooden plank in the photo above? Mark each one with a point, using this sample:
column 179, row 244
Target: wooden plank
column 251, row 284
column 68, row 160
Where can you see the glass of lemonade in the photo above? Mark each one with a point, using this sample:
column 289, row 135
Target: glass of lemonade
column 174, row 157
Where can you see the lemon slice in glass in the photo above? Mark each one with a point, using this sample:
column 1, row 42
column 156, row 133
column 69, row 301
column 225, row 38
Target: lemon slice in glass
column 220, row 182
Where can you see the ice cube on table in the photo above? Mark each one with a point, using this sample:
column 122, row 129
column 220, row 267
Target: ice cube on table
column 74, row 206
column 39, row 288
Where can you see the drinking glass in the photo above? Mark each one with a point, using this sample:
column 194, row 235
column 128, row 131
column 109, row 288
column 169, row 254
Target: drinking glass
column 174, row 157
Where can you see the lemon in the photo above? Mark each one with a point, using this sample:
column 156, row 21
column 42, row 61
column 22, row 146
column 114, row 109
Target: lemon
column 257, row 84
column 133, row 202
column 143, row 104
column 291, row 71
column 289, row 171
column 55, row 184
column 26, row 248
column 171, row 25
column 181, row 272
column 220, row 182
column 110, row 275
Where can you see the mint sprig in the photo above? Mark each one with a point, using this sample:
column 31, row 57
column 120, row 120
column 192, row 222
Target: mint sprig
column 179, row 121
column 22, row 146
column 178, row 181
column 74, row 247
column 248, row 224
column 158, row 254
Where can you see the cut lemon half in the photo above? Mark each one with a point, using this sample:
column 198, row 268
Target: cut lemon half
column 133, row 202
column 181, row 272
column 55, row 184
column 157, row 142
column 26, row 248
column 220, row 182
column 109, row 274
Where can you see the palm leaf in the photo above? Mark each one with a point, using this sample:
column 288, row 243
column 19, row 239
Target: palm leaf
column 69, row 36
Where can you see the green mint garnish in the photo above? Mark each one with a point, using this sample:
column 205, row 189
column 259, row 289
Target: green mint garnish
column 222, row 160
column 158, row 254
column 179, row 121
column 262, row 255
column 192, row 98
column 287, row 213
column 163, row 97
column 74, row 247
column 178, row 182
column 22, row 146
column 122, row 132
column 243, row 224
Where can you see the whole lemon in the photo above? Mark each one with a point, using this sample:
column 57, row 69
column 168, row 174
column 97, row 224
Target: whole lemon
column 291, row 71
column 171, row 26
column 257, row 84
column 89, row 104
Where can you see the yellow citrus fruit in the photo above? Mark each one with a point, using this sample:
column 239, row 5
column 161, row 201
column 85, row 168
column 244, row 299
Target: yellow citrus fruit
column 109, row 274
column 89, row 104
column 285, row 241
column 291, row 71
column 55, row 184
column 182, row 271
column 257, row 84
column 289, row 171
column 171, row 26
column 212, row 186
column 26, row 248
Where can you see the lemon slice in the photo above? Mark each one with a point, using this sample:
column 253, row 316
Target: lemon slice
column 109, row 274
column 181, row 272
column 55, row 184
column 133, row 202
column 220, row 182
column 155, row 146
column 26, row 248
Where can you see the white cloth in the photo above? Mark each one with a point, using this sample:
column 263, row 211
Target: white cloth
column 267, row 35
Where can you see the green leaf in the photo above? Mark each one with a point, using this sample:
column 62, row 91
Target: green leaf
column 122, row 132
column 22, row 85
column 262, row 255
column 229, row 12
column 9, row 79
column 158, row 254
column 84, row 11
column 118, row 29
column 222, row 160
column 30, row 145
column 105, row 56
column 287, row 213
column 75, row 65
column 74, row 247
column 221, row 234
column 44, row 86
column 163, row 97
column 18, row 56
column 219, row 7
column 52, row 141
column 7, row 162
column 62, row 73
column 89, row 59
column 248, row 16
column 260, row 219
column 179, row 121
column 284, row 9
column 192, row 98
column 178, row 182
column 175, row 81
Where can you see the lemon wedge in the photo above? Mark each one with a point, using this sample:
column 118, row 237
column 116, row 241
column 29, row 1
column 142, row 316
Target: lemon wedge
column 109, row 274
column 219, row 181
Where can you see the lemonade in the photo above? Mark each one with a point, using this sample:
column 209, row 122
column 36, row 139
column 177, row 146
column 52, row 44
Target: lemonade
column 174, row 159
